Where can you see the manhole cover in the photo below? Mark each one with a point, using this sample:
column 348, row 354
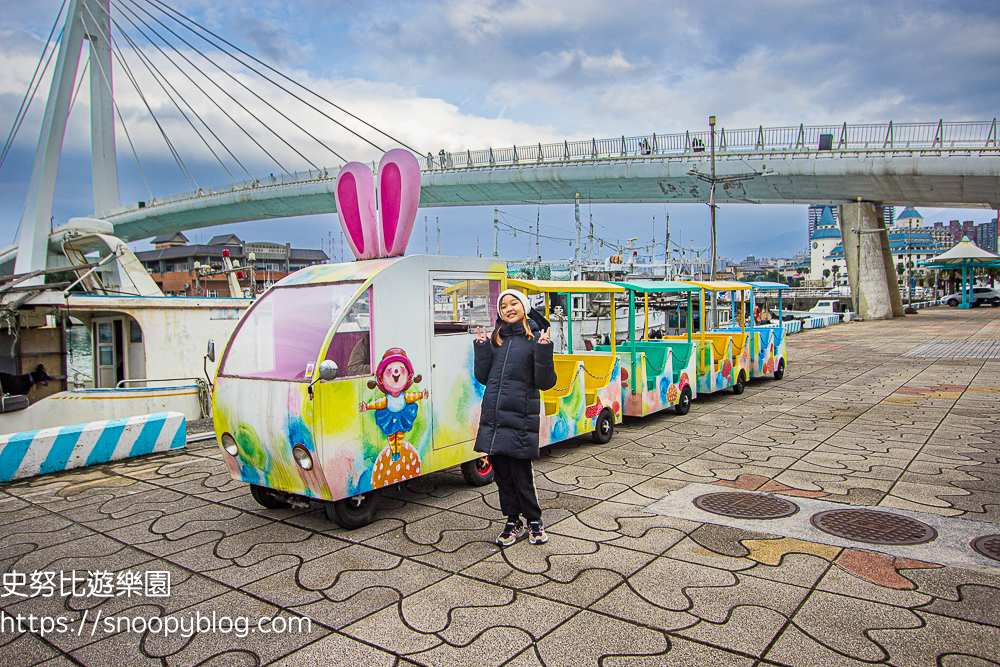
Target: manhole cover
column 988, row 545
column 873, row 527
column 746, row 505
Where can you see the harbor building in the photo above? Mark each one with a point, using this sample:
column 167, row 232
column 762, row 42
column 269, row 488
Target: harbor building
column 171, row 263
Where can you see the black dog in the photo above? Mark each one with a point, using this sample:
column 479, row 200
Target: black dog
column 21, row 384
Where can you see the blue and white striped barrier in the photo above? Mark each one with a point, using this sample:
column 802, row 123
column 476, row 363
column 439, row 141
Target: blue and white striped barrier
column 821, row 321
column 31, row 453
column 793, row 326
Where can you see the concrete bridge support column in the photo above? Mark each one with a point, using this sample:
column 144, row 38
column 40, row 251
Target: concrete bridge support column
column 862, row 229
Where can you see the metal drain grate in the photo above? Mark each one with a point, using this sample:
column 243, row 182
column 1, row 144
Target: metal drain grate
column 988, row 545
column 746, row 505
column 873, row 527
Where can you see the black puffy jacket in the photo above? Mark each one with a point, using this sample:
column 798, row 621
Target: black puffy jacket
column 513, row 374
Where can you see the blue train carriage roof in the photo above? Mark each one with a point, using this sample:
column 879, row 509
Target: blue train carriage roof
column 657, row 286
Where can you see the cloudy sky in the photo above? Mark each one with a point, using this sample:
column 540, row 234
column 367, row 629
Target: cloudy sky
column 465, row 74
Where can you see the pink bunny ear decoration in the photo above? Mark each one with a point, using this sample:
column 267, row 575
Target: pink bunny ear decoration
column 399, row 196
column 355, row 195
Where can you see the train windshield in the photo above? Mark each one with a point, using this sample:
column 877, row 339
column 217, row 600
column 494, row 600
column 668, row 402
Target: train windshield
column 280, row 338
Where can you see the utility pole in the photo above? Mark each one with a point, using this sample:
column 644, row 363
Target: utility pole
column 666, row 254
column 591, row 242
column 576, row 250
column 538, row 227
column 437, row 224
column 496, row 213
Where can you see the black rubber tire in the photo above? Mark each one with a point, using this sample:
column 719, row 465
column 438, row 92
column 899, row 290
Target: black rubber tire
column 779, row 372
column 684, row 404
column 995, row 303
column 952, row 302
column 478, row 472
column 741, row 383
column 604, row 428
column 354, row 512
column 267, row 498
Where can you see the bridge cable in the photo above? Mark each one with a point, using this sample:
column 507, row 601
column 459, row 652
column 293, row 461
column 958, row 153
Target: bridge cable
column 283, row 76
column 207, row 127
column 234, row 121
column 247, row 88
column 79, row 85
column 152, row 67
column 224, row 91
column 33, row 84
column 143, row 56
column 173, row 151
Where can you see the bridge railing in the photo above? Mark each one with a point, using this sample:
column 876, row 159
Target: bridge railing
column 889, row 137
column 940, row 136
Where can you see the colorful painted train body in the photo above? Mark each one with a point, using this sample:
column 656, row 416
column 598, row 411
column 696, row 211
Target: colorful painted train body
column 403, row 400
column 722, row 357
column 768, row 349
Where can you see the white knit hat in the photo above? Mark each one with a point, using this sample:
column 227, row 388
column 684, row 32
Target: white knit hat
column 520, row 296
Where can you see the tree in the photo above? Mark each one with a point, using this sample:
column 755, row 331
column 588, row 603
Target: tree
column 826, row 274
column 836, row 273
column 900, row 269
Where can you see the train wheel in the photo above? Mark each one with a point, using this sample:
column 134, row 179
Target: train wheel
column 267, row 498
column 605, row 427
column 478, row 472
column 684, row 403
column 779, row 372
column 354, row 512
column 741, row 384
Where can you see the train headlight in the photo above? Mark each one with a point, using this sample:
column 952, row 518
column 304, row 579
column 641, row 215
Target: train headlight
column 302, row 457
column 229, row 444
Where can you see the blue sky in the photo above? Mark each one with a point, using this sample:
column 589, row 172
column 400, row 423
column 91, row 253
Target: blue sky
column 471, row 73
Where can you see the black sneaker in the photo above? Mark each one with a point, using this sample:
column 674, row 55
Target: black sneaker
column 537, row 533
column 512, row 532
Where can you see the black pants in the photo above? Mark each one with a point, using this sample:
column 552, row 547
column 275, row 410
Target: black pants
column 516, row 484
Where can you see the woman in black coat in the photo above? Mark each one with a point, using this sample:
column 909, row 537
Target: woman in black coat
column 514, row 364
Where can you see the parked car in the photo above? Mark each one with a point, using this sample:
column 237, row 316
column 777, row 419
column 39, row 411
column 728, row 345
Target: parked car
column 980, row 296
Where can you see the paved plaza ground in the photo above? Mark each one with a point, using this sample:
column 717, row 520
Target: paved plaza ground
column 634, row 573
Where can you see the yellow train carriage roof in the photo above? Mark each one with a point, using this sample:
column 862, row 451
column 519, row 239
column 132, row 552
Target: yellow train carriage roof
column 719, row 285
column 563, row 286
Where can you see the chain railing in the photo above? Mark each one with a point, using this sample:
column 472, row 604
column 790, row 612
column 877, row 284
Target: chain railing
column 964, row 137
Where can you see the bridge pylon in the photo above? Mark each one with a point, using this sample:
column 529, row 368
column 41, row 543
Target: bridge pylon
column 870, row 270
column 86, row 20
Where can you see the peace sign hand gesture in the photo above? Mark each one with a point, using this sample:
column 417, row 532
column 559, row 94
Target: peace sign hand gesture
column 481, row 337
column 543, row 339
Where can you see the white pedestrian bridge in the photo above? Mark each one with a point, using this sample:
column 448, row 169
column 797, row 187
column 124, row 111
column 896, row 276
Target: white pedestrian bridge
column 922, row 164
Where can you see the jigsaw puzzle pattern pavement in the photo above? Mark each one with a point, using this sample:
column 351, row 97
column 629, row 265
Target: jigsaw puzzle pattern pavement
column 854, row 421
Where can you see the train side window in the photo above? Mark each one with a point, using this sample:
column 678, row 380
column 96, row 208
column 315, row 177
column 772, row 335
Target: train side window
column 350, row 347
column 461, row 305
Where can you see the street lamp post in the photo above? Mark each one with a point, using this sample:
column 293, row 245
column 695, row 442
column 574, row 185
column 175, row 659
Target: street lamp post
column 909, row 263
column 712, row 207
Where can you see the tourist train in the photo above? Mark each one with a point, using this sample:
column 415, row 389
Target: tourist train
column 345, row 379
